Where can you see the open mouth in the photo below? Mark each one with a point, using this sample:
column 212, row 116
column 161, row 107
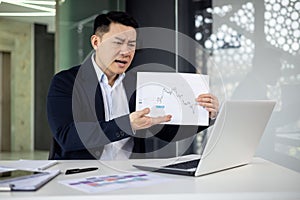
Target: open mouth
column 121, row 61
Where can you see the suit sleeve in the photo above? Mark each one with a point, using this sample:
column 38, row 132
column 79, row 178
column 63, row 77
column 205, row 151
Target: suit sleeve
column 79, row 135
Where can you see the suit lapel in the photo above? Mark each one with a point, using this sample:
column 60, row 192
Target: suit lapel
column 87, row 85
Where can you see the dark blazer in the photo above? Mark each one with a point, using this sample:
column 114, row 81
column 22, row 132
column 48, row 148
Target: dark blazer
column 77, row 120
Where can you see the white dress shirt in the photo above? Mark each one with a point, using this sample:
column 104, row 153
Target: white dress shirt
column 115, row 105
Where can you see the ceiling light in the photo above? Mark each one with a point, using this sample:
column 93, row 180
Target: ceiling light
column 27, row 14
column 49, row 3
column 24, row 4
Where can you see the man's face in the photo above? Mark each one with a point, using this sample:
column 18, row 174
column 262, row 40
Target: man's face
column 115, row 49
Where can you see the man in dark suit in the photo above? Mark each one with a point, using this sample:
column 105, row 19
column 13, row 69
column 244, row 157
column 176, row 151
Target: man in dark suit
column 91, row 111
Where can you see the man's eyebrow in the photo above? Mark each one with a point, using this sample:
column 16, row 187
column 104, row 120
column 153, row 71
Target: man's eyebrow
column 123, row 40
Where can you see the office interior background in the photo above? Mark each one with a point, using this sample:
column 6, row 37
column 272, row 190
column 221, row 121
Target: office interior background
column 249, row 48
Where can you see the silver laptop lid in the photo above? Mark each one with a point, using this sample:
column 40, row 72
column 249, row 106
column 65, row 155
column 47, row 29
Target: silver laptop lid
column 235, row 135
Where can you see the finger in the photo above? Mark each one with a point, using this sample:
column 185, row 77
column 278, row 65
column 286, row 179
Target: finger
column 212, row 112
column 207, row 95
column 204, row 98
column 146, row 122
column 210, row 109
column 207, row 105
column 143, row 112
column 158, row 120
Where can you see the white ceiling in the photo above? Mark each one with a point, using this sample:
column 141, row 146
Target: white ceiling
column 37, row 11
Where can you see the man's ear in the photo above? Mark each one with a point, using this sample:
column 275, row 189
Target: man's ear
column 95, row 41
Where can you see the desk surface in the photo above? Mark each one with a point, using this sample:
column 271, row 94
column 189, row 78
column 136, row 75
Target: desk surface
column 259, row 180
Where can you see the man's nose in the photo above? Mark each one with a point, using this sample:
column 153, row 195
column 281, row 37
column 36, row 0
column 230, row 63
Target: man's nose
column 125, row 49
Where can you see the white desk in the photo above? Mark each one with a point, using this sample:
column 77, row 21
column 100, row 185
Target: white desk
column 259, row 180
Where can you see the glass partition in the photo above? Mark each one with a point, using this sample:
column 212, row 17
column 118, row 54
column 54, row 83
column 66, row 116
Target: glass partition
column 253, row 52
column 74, row 27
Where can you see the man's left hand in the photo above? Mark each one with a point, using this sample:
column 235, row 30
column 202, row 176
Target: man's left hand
column 210, row 103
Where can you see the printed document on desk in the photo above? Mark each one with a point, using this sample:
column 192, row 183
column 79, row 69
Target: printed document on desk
column 97, row 184
column 174, row 94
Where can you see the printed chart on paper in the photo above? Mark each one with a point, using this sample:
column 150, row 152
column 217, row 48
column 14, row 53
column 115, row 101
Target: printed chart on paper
column 173, row 93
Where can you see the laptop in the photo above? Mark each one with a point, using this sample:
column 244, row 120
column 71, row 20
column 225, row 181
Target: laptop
column 231, row 141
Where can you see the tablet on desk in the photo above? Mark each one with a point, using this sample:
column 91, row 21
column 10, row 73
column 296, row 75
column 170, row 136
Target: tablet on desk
column 24, row 180
column 17, row 174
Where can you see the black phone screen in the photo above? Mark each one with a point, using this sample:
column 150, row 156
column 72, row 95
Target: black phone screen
column 6, row 175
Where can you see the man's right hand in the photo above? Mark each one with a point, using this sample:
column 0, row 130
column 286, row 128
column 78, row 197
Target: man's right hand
column 139, row 120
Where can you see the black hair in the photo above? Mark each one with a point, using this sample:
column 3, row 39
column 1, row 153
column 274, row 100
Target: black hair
column 103, row 21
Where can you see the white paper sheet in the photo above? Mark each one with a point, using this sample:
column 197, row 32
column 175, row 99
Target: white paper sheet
column 107, row 183
column 175, row 94
column 31, row 164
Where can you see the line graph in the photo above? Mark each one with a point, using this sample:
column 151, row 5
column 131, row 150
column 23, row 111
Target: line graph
column 180, row 97
column 172, row 93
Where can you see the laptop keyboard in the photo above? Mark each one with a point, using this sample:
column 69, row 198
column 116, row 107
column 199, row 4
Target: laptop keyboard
column 185, row 165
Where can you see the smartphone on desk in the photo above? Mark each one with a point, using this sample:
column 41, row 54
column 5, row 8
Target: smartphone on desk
column 17, row 174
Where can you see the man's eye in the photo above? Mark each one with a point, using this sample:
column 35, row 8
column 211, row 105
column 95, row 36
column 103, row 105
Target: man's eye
column 131, row 45
column 118, row 43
